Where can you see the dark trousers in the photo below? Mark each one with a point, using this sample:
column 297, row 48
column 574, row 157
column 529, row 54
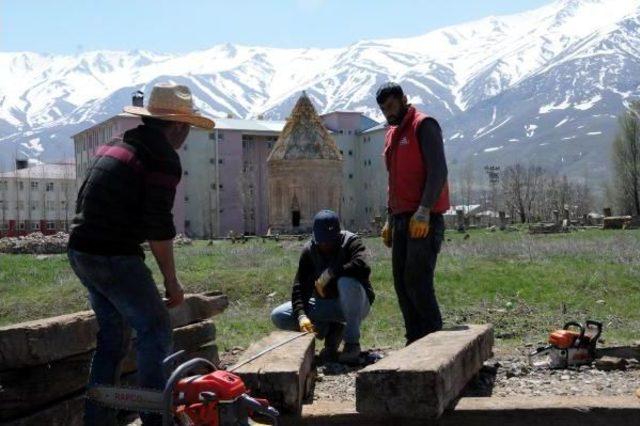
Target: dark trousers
column 414, row 263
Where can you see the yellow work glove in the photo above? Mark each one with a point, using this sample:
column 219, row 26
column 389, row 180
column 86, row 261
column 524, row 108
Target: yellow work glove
column 305, row 324
column 386, row 234
column 322, row 281
column 419, row 223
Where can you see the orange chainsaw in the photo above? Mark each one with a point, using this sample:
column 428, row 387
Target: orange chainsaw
column 572, row 346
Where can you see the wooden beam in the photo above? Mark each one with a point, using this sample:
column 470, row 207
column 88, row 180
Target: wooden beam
column 41, row 342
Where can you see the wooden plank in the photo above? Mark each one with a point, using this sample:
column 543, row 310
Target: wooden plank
column 69, row 412
column 281, row 375
column 43, row 341
column 426, row 376
column 23, row 390
column 64, row 413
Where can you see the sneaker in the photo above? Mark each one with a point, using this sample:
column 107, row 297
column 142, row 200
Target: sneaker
column 350, row 354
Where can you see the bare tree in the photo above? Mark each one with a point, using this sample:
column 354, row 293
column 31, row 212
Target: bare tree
column 4, row 197
column 467, row 181
column 521, row 187
column 626, row 160
column 512, row 187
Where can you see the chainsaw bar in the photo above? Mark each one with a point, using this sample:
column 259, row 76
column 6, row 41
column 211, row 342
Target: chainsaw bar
column 124, row 398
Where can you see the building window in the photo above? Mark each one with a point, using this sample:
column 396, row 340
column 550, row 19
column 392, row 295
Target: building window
column 63, row 204
column 186, row 172
column 350, row 176
column 51, row 226
column 4, row 185
column 350, row 152
column 220, row 161
column 4, row 226
column 220, row 136
column 212, row 160
column 341, row 132
column 35, row 226
column 49, row 187
column 21, row 226
column 184, row 147
column 212, row 136
column 219, row 186
column 20, row 205
column 186, row 199
column 20, row 185
column 34, row 205
column 51, row 205
column 341, row 153
column 34, row 185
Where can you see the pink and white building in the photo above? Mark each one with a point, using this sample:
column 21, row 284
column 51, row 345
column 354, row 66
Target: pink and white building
column 224, row 184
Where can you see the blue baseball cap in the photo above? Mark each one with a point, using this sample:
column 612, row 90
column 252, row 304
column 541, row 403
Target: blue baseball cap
column 326, row 227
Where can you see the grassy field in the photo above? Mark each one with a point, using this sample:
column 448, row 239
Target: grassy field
column 523, row 284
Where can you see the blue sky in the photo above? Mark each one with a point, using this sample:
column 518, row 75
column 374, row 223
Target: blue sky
column 71, row 26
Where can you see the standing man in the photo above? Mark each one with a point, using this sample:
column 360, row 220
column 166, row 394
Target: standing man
column 126, row 199
column 418, row 196
column 331, row 288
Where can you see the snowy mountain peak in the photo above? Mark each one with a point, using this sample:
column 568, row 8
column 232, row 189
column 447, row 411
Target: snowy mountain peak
column 497, row 77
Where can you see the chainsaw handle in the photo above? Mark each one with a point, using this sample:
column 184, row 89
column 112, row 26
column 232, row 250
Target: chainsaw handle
column 598, row 326
column 575, row 324
column 170, row 362
column 257, row 406
column 179, row 373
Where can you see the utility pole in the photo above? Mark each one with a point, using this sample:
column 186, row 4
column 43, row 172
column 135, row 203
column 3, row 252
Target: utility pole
column 493, row 173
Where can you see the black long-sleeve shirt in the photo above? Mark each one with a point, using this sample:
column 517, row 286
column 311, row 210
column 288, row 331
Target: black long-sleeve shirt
column 127, row 195
column 348, row 261
column 432, row 147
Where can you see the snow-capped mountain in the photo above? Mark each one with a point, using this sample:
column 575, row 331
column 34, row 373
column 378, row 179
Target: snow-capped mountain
column 544, row 85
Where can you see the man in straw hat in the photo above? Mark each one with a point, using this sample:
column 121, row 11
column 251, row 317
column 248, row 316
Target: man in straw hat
column 126, row 199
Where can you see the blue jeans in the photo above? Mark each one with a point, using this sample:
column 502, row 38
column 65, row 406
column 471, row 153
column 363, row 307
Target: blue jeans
column 351, row 307
column 124, row 296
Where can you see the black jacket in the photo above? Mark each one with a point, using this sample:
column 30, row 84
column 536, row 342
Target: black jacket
column 127, row 195
column 349, row 261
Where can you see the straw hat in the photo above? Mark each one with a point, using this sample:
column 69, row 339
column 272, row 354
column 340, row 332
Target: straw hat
column 172, row 102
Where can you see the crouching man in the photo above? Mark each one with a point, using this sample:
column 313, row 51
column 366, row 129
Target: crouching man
column 331, row 292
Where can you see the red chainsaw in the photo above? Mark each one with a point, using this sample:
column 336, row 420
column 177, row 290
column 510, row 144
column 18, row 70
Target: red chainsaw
column 216, row 398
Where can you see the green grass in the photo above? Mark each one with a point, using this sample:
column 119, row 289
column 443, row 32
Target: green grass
column 525, row 285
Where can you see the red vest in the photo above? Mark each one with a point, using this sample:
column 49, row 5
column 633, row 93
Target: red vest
column 407, row 171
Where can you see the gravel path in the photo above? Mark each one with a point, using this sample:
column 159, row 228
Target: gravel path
column 507, row 374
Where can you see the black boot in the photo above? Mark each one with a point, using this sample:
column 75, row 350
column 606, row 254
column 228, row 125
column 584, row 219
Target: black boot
column 332, row 342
